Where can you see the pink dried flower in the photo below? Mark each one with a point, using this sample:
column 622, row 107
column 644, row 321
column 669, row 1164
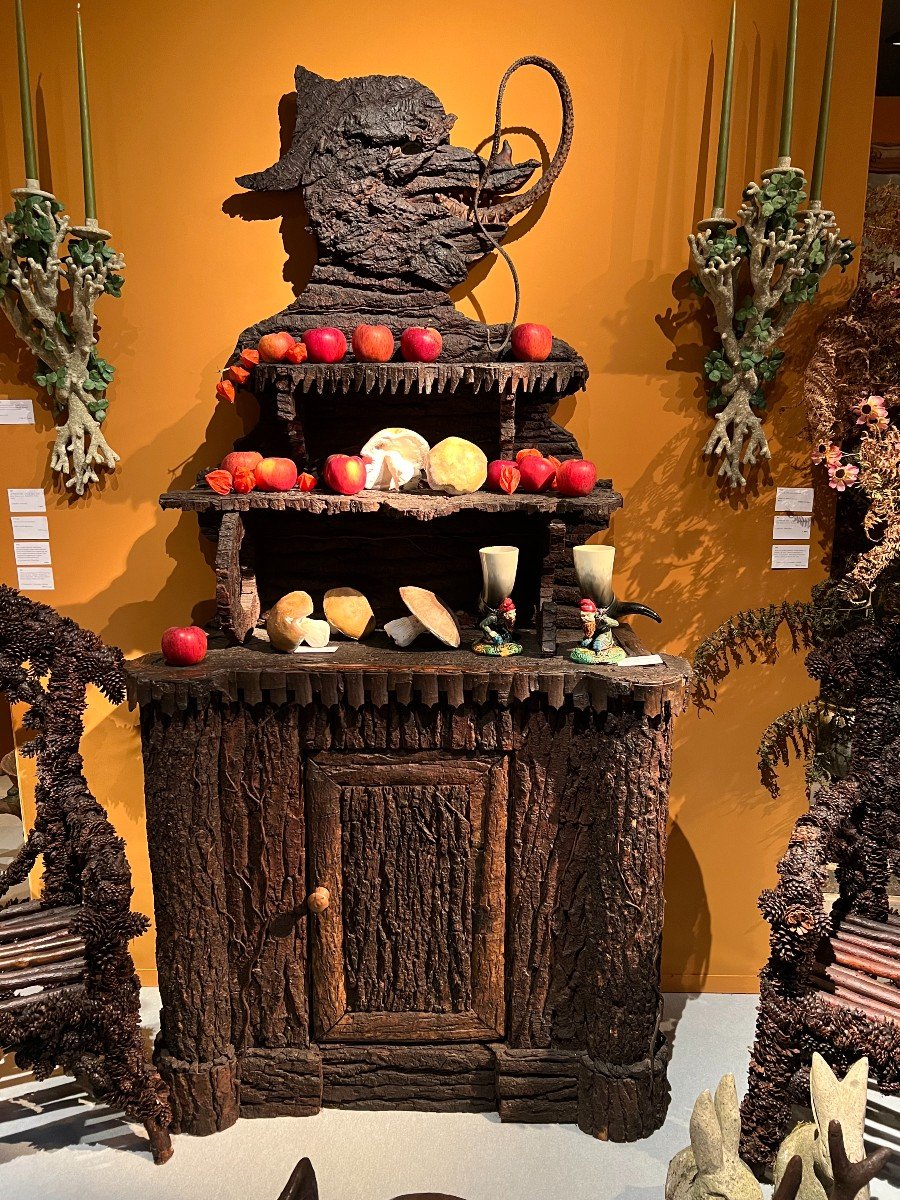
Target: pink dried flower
column 826, row 452
column 871, row 411
column 879, row 422
column 842, row 475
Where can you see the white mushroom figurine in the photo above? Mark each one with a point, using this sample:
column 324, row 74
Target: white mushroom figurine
column 394, row 458
column 427, row 614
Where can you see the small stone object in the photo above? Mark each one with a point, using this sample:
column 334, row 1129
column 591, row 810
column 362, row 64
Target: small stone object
column 456, row 466
column 349, row 612
column 832, row 1099
column 428, row 614
column 711, row 1165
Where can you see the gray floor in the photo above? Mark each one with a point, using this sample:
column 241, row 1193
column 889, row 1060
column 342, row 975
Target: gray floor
column 56, row 1145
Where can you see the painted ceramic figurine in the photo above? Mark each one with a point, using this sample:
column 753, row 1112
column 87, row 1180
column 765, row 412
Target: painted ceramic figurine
column 598, row 644
column 499, row 565
column 499, row 627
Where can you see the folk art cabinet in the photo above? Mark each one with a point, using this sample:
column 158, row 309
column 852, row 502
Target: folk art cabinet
column 406, row 878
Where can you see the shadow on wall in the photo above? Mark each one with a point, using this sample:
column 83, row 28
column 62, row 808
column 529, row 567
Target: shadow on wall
column 684, row 886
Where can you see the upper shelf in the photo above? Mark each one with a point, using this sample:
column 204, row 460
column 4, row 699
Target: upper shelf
column 562, row 377
column 424, row 506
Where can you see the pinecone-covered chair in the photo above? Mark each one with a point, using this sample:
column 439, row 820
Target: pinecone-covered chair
column 69, row 995
column 832, row 982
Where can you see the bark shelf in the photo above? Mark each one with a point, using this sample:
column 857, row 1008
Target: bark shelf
column 562, row 377
column 422, row 505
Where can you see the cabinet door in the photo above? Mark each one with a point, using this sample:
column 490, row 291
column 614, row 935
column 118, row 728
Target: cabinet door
column 412, row 852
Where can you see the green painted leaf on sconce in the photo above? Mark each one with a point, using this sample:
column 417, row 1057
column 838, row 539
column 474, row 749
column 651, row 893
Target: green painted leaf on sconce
column 82, row 253
column 717, row 368
column 758, row 399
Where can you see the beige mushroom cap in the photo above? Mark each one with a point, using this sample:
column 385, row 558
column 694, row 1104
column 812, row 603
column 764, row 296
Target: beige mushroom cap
column 349, row 612
column 284, row 618
column 432, row 613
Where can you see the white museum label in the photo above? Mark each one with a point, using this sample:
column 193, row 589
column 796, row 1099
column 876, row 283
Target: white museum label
column 315, row 650
column 642, row 660
column 794, row 500
column 32, row 554
column 30, row 528
column 791, row 528
column 36, row 579
column 16, row 411
column 790, row 557
column 26, row 500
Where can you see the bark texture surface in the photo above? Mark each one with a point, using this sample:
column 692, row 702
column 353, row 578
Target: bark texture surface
column 459, row 963
column 391, row 204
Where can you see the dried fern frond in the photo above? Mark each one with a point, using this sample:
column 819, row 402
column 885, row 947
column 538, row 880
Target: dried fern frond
column 755, row 631
column 794, row 732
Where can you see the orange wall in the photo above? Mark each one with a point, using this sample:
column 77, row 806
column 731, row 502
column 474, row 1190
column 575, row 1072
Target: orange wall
column 184, row 97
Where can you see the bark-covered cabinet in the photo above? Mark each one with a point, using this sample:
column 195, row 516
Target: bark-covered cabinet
column 491, row 838
column 489, row 834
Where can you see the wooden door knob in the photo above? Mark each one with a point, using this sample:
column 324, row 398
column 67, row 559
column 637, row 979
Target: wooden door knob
column 317, row 901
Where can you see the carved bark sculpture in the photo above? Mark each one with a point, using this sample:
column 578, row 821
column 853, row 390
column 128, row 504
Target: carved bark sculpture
column 391, row 203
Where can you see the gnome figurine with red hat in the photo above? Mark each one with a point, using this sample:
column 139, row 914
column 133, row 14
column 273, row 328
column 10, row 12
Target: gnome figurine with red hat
column 598, row 646
column 498, row 627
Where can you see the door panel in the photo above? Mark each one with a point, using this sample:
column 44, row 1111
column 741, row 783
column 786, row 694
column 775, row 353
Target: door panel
column 412, row 851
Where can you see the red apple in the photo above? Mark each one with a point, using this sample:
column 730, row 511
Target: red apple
column 575, row 477
column 494, row 470
column 183, row 645
column 274, row 347
column 325, row 345
column 275, row 474
column 373, row 343
column 420, row 344
column 240, row 460
column 345, row 473
column 532, row 343
column 537, row 474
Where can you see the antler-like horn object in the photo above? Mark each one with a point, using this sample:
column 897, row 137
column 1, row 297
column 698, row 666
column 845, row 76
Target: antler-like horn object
column 504, row 211
column 594, row 568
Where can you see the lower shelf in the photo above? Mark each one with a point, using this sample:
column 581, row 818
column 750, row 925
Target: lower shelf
column 619, row 1103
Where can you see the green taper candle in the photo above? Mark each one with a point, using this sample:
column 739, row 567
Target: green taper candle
column 25, row 96
column 725, row 123
column 787, row 103
column 815, row 187
column 87, row 151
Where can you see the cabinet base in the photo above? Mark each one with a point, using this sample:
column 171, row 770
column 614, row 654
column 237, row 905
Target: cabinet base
column 204, row 1096
column 624, row 1103
column 559, row 1087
